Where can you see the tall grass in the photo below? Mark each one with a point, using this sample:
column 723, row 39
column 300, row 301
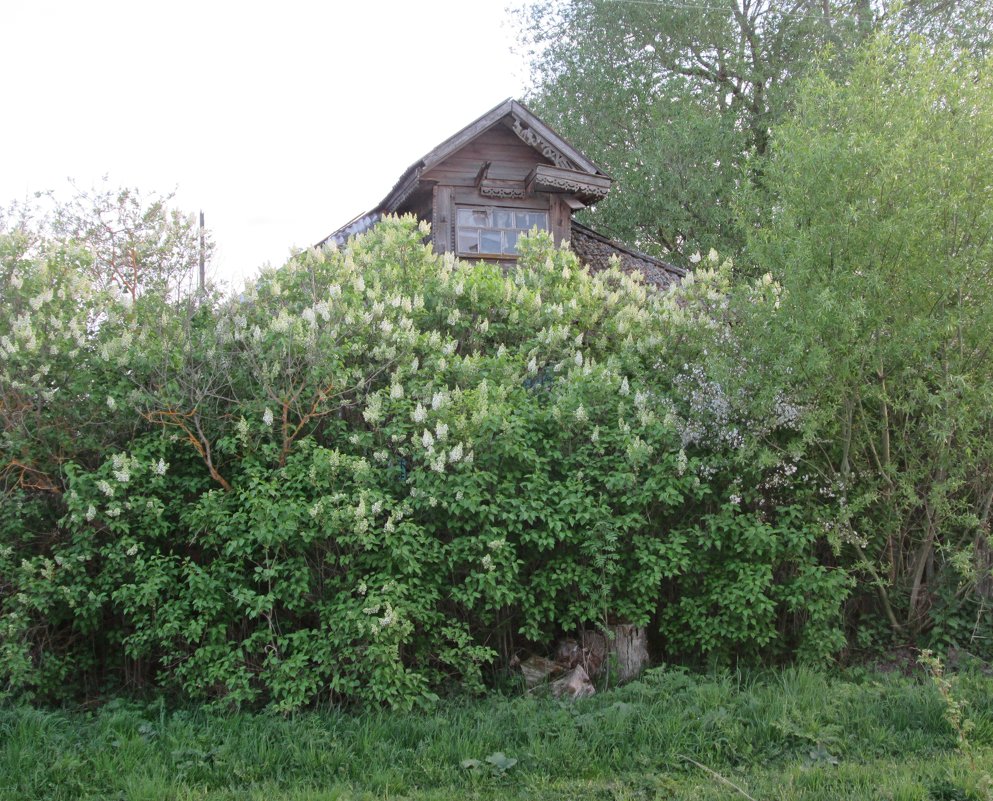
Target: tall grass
column 791, row 734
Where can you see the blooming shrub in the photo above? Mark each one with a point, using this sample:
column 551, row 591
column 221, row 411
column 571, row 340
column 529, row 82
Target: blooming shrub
column 378, row 470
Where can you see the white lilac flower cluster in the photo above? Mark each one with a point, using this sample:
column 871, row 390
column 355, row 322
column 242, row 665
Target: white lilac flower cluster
column 373, row 412
column 787, row 413
column 122, row 466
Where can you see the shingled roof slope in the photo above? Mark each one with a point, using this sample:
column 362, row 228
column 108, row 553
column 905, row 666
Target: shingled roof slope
column 595, row 251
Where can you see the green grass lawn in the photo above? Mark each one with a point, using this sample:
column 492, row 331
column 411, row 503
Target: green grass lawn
column 790, row 734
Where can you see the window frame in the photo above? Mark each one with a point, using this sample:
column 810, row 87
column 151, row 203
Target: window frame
column 491, row 210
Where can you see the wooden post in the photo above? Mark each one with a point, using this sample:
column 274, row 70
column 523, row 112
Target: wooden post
column 560, row 219
column 441, row 219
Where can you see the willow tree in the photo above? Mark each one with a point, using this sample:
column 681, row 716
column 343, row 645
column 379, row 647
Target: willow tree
column 881, row 232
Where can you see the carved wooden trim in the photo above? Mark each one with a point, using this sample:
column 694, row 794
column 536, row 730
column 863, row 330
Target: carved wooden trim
column 553, row 179
column 497, row 187
column 530, row 137
column 577, row 187
column 503, row 191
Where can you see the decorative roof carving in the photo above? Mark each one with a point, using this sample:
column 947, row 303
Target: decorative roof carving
column 577, row 187
column 530, row 137
column 509, row 189
column 497, row 187
column 591, row 188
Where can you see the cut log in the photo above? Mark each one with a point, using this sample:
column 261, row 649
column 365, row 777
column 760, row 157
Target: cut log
column 537, row 670
column 575, row 684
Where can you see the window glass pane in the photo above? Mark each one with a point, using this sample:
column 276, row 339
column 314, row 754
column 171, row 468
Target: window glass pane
column 478, row 217
column 503, row 218
column 468, row 240
column 528, row 220
column 489, row 241
column 494, row 231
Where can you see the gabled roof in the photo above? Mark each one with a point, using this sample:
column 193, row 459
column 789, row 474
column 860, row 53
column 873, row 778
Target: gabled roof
column 531, row 129
column 541, row 137
column 593, row 249
column 528, row 121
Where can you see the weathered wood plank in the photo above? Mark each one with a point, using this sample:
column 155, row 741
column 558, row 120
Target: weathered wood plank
column 467, row 134
column 441, row 222
column 498, row 151
column 473, row 163
column 559, row 219
column 466, row 173
column 472, row 160
column 511, row 159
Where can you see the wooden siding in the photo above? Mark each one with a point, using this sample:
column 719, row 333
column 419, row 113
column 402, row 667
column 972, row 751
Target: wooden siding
column 509, row 157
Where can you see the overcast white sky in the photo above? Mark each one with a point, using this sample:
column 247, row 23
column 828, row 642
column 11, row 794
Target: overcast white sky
column 282, row 121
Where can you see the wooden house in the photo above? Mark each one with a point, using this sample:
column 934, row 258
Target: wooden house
column 498, row 177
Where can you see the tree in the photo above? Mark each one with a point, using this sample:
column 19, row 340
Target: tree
column 963, row 25
column 881, row 231
column 71, row 273
column 677, row 101
column 136, row 241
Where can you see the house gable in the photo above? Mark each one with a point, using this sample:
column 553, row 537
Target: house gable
column 498, row 177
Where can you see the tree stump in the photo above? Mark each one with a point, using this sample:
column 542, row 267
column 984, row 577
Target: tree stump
column 630, row 646
column 537, row 670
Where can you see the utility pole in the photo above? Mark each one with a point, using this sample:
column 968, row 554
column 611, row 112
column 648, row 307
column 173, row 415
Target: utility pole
column 203, row 250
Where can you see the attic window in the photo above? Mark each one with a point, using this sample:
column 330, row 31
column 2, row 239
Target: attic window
column 493, row 230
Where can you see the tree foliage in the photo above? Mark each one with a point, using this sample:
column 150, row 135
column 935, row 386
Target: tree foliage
column 377, row 469
column 677, row 101
column 132, row 241
column 880, row 228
